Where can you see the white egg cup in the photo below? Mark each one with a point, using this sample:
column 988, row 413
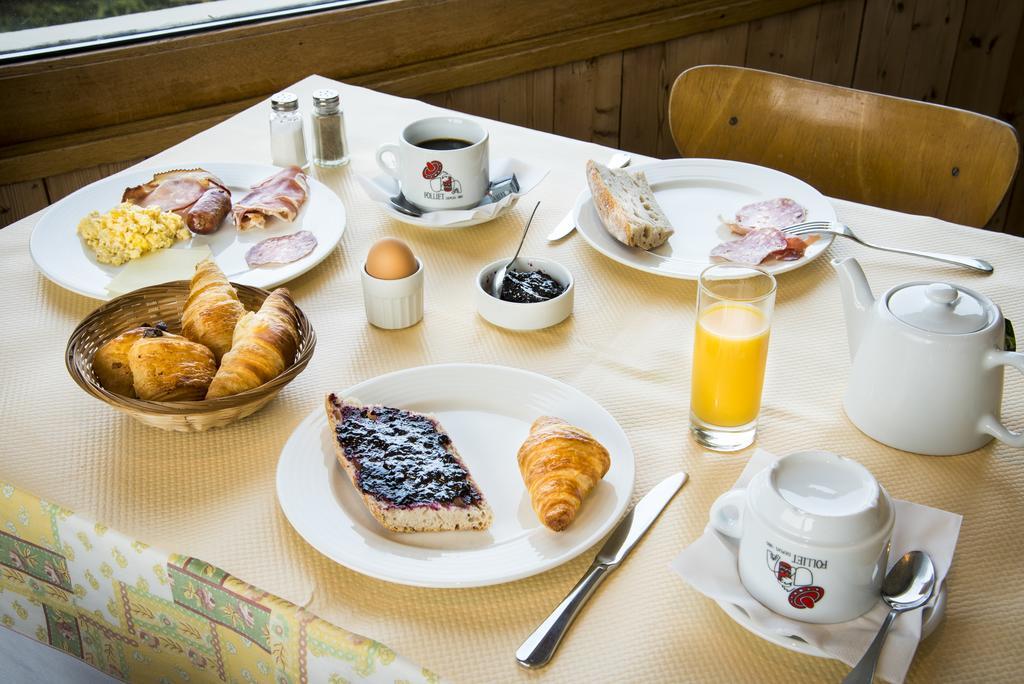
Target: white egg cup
column 520, row 315
column 393, row 304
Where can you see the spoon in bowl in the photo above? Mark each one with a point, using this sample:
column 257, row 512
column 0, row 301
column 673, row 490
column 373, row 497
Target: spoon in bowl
column 908, row 586
column 499, row 276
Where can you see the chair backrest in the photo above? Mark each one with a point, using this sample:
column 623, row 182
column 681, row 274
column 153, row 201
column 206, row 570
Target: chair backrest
column 886, row 151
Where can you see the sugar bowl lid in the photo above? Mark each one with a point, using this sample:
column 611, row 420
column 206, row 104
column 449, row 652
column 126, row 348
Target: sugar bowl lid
column 940, row 308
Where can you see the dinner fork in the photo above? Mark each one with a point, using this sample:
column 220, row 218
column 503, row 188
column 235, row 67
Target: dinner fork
column 842, row 230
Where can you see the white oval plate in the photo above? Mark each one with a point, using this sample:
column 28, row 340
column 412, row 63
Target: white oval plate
column 61, row 255
column 487, row 410
column 695, row 195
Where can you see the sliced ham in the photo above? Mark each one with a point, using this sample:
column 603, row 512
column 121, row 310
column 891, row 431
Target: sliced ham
column 175, row 191
column 780, row 213
column 752, row 248
column 281, row 250
column 281, row 195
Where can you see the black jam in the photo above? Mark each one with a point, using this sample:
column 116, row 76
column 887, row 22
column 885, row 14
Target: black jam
column 529, row 287
column 402, row 459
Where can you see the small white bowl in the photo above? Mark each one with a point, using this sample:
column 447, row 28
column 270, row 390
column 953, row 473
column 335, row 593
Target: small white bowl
column 519, row 315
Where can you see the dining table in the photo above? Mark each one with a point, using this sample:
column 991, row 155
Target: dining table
column 211, row 495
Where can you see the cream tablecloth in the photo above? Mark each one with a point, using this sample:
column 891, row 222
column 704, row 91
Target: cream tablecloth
column 627, row 345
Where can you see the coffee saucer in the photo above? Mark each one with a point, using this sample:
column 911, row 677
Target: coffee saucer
column 381, row 188
column 933, row 615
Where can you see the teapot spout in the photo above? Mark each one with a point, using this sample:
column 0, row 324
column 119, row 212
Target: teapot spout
column 857, row 299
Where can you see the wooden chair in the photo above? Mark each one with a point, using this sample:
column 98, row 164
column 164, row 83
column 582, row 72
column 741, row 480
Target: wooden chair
column 886, row 151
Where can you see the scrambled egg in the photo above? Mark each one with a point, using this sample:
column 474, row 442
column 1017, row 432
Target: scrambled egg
column 128, row 231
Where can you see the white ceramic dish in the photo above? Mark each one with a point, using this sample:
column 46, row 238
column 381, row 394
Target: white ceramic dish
column 61, row 255
column 487, row 410
column 695, row 195
column 933, row 615
column 519, row 316
column 393, row 304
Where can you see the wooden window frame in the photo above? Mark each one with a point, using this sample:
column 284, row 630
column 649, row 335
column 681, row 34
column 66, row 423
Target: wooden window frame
column 78, row 110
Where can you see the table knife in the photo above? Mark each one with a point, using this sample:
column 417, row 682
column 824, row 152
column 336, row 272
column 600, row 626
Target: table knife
column 567, row 225
column 540, row 646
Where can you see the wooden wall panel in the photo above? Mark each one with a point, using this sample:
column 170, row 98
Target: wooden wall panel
column 835, row 45
column 651, row 70
column 966, row 53
column 64, row 184
column 588, row 94
column 784, row 43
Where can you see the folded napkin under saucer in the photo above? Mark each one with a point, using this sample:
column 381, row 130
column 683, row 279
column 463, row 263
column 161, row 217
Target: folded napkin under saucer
column 381, row 188
column 709, row 566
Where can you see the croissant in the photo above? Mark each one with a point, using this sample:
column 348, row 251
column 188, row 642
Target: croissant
column 264, row 345
column 212, row 309
column 168, row 367
column 560, row 464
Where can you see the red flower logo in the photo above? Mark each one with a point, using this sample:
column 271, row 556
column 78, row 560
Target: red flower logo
column 806, row 596
column 432, row 170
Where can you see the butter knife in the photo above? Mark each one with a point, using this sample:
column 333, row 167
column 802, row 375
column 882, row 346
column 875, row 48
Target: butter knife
column 567, row 225
column 540, row 646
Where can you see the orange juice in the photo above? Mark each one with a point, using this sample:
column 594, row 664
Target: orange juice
column 729, row 353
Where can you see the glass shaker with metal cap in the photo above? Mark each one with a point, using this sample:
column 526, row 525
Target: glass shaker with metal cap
column 287, row 144
column 330, row 147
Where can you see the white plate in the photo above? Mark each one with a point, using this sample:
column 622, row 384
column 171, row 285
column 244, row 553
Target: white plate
column 488, row 411
column 61, row 255
column 694, row 194
column 933, row 615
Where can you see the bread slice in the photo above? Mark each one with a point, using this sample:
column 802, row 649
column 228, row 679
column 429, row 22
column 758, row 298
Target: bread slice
column 406, row 468
column 627, row 207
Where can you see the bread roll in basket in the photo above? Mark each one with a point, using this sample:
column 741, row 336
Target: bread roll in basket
column 165, row 303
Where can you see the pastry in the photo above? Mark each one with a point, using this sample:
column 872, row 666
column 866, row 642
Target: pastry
column 263, row 346
column 110, row 363
column 406, row 468
column 168, row 367
column 560, row 464
column 627, row 207
column 212, row 309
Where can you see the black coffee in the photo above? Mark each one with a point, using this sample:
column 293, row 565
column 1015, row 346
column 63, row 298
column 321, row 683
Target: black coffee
column 444, row 144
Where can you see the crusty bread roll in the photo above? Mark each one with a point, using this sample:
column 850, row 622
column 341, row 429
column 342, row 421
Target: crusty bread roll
column 627, row 207
column 168, row 367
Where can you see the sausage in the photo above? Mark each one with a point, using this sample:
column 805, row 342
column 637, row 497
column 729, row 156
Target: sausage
column 206, row 214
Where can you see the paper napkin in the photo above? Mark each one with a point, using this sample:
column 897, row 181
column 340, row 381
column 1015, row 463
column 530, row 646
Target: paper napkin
column 380, row 188
column 709, row 566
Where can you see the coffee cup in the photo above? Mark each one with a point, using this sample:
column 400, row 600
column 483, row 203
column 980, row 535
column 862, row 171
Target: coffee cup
column 440, row 163
column 814, row 532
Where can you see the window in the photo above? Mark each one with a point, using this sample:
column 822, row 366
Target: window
column 35, row 28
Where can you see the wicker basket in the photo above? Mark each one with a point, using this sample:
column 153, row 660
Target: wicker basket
column 166, row 303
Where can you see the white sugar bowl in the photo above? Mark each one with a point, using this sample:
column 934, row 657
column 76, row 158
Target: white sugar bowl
column 521, row 315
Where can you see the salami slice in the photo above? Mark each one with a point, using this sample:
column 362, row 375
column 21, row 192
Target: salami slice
column 778, row 213
column 281, row 250
column 752, row 248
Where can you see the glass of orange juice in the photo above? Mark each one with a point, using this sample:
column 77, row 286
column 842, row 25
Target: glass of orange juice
column 734, row 315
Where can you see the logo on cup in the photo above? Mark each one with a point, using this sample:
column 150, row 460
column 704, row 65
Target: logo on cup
column 442, row 184
column 797, row 580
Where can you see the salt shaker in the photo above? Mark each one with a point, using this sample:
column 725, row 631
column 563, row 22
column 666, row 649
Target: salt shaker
column 287, row 144
column 329, row 145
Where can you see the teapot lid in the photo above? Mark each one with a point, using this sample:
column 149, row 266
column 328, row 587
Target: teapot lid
column 940, row 308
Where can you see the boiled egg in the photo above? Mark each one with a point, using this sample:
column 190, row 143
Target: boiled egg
column 390, row 259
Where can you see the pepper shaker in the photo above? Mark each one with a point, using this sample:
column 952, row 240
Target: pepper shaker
column 330, row 147
column 287, row 143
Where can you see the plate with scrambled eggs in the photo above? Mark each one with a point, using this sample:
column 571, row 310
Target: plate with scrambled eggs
column 94, row 244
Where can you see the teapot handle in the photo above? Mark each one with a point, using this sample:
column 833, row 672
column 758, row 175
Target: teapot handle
column 989, row 423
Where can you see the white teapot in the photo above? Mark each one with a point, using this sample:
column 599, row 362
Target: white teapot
column 927, row 365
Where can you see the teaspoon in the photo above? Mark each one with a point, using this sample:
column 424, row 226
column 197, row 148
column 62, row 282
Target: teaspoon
column 908, row 586
column 499, row 277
